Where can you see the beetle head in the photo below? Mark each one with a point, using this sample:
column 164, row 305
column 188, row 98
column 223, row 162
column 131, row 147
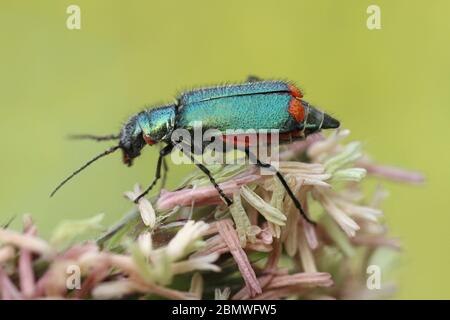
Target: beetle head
column 146, row 127
column 131, row 140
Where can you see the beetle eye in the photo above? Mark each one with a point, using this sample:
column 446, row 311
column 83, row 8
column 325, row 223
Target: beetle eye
column 149, row 140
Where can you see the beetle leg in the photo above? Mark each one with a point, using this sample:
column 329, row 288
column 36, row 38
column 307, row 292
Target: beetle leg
column 164, row 152
column 164, row 176
column 206, row 171
column 280, row 177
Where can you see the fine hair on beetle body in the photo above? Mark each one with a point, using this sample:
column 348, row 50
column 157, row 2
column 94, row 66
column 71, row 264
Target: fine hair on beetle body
column 254, row 105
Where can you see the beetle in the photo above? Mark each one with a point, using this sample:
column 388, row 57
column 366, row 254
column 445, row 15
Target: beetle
column 255, row 104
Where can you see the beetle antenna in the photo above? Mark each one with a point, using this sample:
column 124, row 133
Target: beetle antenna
column 93, row 137
column 87, row 164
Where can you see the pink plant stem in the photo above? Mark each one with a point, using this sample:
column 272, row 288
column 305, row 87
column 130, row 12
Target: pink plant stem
column 97, row 275
column 203, row 195
column 391, row 173
column 230, row 237
column 375, row 241
column 244, row 294
column 274, row 257
column 319, row 279
column 8, row 289
column 26, row 273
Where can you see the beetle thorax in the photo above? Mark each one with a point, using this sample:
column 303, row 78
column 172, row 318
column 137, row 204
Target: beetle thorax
column 157, row 124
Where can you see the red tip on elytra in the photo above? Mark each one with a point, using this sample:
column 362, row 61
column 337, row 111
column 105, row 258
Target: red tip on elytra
column 295, row 92
column 296, row 110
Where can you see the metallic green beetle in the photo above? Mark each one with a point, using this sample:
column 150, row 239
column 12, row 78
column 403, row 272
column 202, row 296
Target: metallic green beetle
column 256, row 104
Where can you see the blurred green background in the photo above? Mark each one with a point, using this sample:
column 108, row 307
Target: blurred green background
column 389, row 86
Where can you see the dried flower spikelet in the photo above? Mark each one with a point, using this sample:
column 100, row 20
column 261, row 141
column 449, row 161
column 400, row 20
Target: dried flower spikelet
column 145, row 207
column 320, row 149
column 197, row 285
column 28, row 242
column 270, row 213
column 6, row 253
column 342, row 219
column 306, row 173
column 243, row 226
column 186, row 240
column 145, row 243
column 306, row 255
column 337, row 161
column 197, row 263
column 230, row 237
column 113, row 289
column 222, row 294
column 258, row 248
